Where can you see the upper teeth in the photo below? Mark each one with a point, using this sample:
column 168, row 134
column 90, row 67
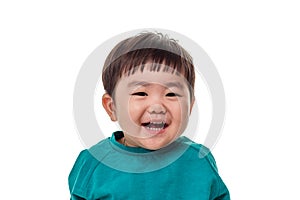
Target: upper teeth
column 157, row 122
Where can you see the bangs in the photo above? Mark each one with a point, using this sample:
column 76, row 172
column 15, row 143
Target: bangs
column 156, row 59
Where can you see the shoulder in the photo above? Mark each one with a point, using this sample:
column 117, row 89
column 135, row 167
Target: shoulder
column 200, row 152
column 85, row 166
column 82, row 170
column 205, row 166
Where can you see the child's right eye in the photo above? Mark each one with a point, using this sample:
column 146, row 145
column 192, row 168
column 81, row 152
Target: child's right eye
column 143, row 94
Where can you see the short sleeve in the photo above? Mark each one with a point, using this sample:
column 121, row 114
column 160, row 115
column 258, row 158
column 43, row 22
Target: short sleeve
column 221, row 192
column 80, row 175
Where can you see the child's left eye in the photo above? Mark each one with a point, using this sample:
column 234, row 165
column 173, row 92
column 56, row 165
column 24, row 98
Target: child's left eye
column 140, row 94
column 171, row 94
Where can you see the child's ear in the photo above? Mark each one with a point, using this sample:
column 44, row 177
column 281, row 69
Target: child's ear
column 108, row 104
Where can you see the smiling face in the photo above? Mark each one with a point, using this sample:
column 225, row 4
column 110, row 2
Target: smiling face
column 152, row 107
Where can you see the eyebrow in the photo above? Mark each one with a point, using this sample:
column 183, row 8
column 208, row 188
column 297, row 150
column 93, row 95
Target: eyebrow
column 143, row 83
column 137, row 83
column 174, row 84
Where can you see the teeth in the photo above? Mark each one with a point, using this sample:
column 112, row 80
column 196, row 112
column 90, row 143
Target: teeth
column 157, row 122
column 154, row 126
column 154, row 129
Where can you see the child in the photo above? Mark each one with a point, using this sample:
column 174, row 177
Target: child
column 149, row 81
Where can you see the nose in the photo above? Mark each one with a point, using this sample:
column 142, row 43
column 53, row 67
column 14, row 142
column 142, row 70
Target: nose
column 156, row 109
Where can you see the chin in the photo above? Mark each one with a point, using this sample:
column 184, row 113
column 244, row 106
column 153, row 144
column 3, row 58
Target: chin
column 155, row 146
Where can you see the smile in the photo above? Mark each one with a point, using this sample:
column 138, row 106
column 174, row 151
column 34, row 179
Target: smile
column 155, row 126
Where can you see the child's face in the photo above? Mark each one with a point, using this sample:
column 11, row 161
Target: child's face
column 152, row 108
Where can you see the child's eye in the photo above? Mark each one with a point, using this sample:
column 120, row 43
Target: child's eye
column 140, row 94
column 171, row 94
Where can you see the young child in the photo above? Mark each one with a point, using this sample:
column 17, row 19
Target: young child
column 149, row 81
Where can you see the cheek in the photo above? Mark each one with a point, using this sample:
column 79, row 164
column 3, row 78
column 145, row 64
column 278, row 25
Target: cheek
column 123, row 111
column 180, row 111
column 175, row 108
column 135, row 110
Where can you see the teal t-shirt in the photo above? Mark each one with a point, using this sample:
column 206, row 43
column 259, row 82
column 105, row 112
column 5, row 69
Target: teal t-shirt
column 182, row 170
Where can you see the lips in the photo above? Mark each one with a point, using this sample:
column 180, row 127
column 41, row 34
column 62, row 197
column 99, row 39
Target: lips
column 155, row 126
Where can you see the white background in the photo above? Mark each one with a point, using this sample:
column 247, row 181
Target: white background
column 255, row 46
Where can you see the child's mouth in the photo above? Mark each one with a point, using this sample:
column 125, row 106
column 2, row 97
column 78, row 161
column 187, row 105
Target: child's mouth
column 155, row 126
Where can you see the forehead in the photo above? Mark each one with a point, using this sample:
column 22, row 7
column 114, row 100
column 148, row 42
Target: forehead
column 150, row 73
